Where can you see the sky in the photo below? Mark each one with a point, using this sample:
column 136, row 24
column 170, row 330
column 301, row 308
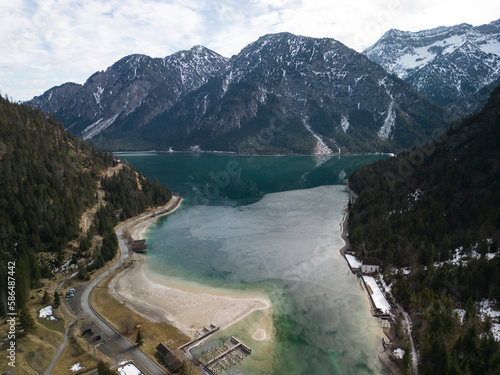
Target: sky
column 44, row 43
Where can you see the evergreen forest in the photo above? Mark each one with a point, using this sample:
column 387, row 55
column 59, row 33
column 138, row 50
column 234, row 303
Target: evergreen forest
column 48, row 179
column 432, row 216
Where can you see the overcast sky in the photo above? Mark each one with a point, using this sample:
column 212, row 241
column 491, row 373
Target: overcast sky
column 44, row 43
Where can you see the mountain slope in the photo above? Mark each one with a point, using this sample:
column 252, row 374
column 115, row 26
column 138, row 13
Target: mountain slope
column 451, row 184
column 445, row 63
column 283, row 93
column 435, row 211
column 133, row 90
column 48, row 178
column 314, row 88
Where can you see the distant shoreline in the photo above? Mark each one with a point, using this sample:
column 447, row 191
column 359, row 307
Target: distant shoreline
column 234, row 153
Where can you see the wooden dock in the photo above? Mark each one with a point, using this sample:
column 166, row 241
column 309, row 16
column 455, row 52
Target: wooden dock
column 224, row 356
column 213, row 328
column 238, row 345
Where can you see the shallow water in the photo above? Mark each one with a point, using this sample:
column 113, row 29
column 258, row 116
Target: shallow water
column 273, row 228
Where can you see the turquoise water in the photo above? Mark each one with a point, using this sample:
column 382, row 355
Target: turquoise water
column 269, row 225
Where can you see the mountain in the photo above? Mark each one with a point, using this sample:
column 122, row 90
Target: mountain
column 432, row 217
column 473, row 102
column 445, row 63
column 283, row 93
column 133, row 90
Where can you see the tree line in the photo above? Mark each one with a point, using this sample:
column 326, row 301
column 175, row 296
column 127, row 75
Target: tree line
column 421, row 209
column 48, row 178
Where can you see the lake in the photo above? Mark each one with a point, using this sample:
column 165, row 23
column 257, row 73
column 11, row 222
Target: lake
column 269, row 225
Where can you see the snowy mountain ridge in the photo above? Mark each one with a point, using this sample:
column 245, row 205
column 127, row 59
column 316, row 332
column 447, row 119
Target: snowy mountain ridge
column 328, row 97
column 444, row 63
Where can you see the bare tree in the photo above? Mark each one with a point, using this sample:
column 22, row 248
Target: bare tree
column 128, row 323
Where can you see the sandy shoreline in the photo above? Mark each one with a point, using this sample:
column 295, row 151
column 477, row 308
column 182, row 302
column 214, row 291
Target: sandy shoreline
column 187, row 306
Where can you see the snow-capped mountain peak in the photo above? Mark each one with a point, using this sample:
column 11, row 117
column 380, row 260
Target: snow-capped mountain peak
column 444, row 63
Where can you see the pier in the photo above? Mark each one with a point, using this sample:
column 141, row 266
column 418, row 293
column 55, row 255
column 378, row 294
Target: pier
column 222, row 357
column 206, row 332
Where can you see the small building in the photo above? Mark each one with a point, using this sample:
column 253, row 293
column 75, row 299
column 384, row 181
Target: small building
column 140, row 246
column 169, row 356
column 370, row 265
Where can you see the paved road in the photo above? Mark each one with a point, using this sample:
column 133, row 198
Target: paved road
column 135, row 354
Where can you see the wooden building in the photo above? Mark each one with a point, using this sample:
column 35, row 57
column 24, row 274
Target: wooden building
column 140, row 246
column 170, row 358
column 370, row 265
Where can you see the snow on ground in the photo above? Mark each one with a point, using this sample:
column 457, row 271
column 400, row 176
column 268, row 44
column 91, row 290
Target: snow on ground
column 387, row 288
column 377, row 296
column 461, row 314
column 129, row 369
column 460, row 257
column 353, row 261
column 46, row 312
column 399, row 353
column 486, row 308
column 76, row 367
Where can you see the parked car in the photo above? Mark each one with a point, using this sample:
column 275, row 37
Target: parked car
column 97, row 338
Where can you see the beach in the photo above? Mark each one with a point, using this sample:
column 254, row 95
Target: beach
column 187, row 306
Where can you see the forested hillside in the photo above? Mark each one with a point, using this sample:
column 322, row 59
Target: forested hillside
column 435, row 211
column 48, row 179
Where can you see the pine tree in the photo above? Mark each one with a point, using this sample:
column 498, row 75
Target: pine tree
column 406, row 361
column 26, row 321
column 139, row 339
column 470, row 310
column 104, row 369
column 57, row 300
column 45, row 298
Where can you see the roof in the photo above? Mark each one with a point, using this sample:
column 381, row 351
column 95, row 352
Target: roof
column 172, row 362
column 163, row 348
column 141, row 241
column 370, row 261
column 140, row 246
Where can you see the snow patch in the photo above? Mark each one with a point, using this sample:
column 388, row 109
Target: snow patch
column 98, row 95
column 461, row 314
column 398, row 353
column 389, row 123
column 486, row 309
column 491, row 46
column 321, row 147
column 344, row 123
column 76, row 367
column 461, row 257
column 46, row 313
column 416, row 194
column 98, row 126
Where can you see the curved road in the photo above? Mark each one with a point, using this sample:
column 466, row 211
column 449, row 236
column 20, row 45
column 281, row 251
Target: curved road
column 135, row 354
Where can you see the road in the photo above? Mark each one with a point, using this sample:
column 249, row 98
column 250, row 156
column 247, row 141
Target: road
column 414, row 356
column 135, row 354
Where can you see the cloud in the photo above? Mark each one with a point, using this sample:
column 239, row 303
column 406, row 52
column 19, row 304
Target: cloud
column 49, row 42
